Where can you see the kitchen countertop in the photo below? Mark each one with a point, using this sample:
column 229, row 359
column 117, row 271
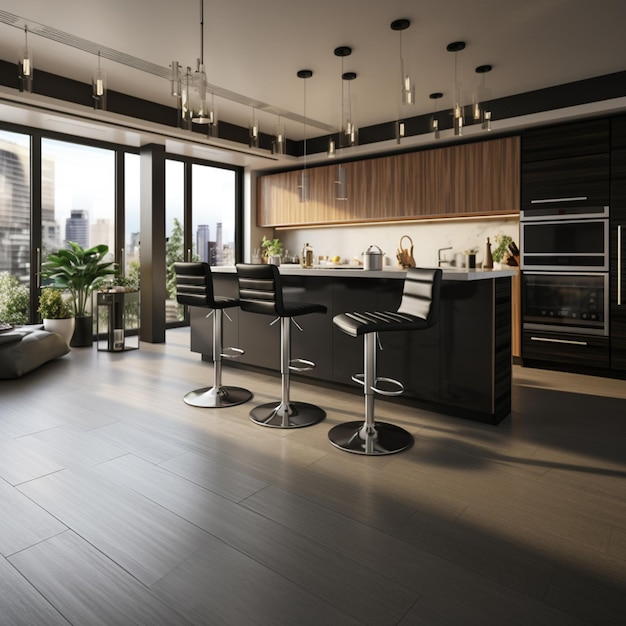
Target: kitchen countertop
column 348, row 271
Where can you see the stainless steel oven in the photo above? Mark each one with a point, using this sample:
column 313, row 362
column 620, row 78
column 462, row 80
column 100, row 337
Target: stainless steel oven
column 565, row 244
column 572, row 302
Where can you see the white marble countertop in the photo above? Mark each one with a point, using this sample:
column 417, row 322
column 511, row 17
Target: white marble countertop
column 348, row 271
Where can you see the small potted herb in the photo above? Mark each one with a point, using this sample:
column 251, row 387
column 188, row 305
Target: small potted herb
column 272, row 250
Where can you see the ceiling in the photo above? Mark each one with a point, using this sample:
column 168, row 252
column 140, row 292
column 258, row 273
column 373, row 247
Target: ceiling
column 254, row 49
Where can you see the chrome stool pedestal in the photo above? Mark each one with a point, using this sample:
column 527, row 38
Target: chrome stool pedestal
column 418, row 310
column 260, row 291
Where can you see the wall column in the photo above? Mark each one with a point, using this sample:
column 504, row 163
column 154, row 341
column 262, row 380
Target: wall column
column 152, row 245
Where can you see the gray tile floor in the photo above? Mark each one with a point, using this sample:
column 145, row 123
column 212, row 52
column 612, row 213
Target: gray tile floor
column 120, row 504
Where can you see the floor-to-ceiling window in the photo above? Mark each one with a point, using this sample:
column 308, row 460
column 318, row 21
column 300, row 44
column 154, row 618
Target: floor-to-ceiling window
column 77, row 196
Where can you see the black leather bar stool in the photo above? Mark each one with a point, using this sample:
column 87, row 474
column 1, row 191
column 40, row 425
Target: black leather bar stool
column 260, row 291
column 194, row 287
column 418, row 310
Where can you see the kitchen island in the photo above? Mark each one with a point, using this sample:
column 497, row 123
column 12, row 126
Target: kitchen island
column 461, row 366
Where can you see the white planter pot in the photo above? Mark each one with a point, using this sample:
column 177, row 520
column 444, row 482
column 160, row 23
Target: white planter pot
column 64, row 327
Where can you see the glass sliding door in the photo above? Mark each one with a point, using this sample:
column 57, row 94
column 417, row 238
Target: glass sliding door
column 15, row 227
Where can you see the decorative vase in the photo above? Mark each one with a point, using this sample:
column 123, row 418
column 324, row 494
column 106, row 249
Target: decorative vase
column 83, row 332
column 63, row 327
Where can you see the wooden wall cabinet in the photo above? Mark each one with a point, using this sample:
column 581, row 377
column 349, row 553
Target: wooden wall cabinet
column 479, row 178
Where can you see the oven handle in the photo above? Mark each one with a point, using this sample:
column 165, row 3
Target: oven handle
column 571, row 199
column 568, row 341
column 619, row 265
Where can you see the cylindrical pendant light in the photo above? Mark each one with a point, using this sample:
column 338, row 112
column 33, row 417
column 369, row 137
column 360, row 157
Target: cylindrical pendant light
column 304, row 177
column 26, row 68
column 98, row 87
column 457, row 108
column 407, row 85
column 482, row 96
column 435, row 120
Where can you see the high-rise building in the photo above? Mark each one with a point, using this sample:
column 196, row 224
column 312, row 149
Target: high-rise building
column 77, row 227
column 219, row 246
column 202, row 242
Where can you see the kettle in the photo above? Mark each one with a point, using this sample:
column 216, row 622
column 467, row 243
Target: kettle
column 373, row 258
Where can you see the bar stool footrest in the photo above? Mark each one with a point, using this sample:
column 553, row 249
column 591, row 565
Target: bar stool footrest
column 301, row 365
column 360, row 380
column 232, row 353
column 378, row 439
column 217, row 397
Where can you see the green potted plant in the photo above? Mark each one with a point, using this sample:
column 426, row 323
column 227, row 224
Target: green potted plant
column 14, row 300
column 502, row 247
column 79, row 271
column 272, row 250
column 56, row 313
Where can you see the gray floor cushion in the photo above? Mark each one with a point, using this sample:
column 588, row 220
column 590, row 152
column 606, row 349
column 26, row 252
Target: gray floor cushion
column 25, row 348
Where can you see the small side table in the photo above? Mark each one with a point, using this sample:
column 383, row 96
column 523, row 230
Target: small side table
column 117, row 320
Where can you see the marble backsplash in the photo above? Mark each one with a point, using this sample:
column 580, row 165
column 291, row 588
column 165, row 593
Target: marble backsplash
column 349, row 242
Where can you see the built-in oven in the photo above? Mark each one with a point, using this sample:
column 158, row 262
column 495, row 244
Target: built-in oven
column 571, row 302
column 565, row 244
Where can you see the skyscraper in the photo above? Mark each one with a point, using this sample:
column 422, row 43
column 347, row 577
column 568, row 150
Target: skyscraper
column 77, row 227
column 202, row 242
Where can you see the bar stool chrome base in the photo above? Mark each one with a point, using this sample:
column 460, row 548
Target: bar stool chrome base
column 287, row 415
column 377, row 440
column 217, row 397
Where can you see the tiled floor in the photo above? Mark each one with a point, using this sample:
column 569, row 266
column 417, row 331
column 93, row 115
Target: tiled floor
column 122, row 505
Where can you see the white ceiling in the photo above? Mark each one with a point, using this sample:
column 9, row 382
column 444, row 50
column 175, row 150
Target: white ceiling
column 254, row 48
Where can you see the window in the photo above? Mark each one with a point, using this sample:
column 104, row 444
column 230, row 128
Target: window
column 213, row 214
column 78, row 195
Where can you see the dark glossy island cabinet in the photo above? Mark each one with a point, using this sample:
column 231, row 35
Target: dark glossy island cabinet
column 461, row 366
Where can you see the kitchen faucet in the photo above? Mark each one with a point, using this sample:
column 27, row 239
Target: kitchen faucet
column 439, row 259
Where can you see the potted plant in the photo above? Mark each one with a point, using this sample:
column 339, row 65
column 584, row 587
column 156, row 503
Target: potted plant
column 14, row 300
column 56, row 313
column 501, row 250
column 272, row 250
column 79, row 271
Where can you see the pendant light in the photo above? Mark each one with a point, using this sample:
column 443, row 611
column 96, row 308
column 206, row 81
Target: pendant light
column 482, row 96
column 253, row 131
column 407, row 85
column 457, row 109
column 399, row 130
column 25, row 65
column 435, row 120
column 197, row 96
column 175, row 78
column 341, row 52
column 98, row 87
column 304, row 178
column 350, row 129
column 278, row 143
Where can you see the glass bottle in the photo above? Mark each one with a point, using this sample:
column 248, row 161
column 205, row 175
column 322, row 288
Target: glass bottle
column 307, row 256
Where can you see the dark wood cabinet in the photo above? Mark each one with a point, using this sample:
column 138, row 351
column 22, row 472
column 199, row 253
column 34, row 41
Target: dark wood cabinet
column 618, row 260
column 566, row 165
column 566, row 140
column 618, row 132
column 573, row 351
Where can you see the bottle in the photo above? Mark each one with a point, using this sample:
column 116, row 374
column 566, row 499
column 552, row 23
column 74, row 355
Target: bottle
column 307, row 256
column 488, row 260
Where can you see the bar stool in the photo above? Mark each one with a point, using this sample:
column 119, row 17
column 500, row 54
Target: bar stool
column 418, row 310
column 260, row 291
column 194, row 287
